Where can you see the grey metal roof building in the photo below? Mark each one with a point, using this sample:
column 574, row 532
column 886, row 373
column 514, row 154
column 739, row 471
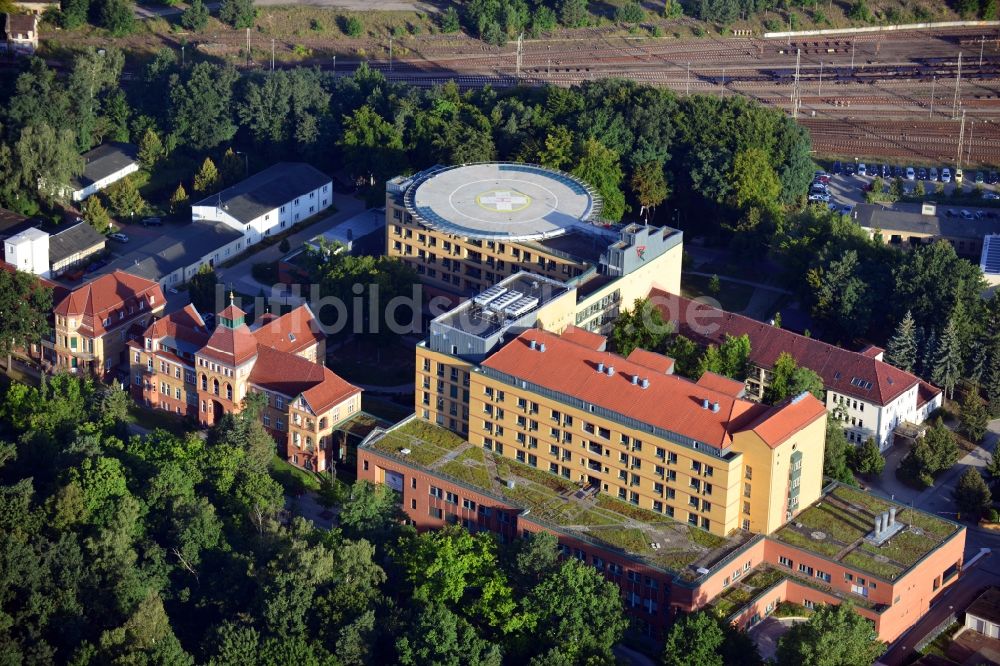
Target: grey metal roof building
column 262, row 192
column 103, row 161
column 175, row 249
column 74, row 240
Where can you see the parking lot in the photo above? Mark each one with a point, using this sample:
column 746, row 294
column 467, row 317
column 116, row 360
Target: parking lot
column 850, row 189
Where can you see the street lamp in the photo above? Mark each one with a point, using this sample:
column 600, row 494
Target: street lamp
column 246, row 161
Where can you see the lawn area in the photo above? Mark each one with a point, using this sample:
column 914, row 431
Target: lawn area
column 158, row 418
column 630, row 510
column 905, row 548
column 870, row 502
column 733, row 297
column 291, row 478
column 368, row 361
column 676, row 560
column 427, row 443
column 865, row 561
column 790, row 536
column 469, row 466
column 506, row 467
column 791, row 609
column 940, row 529
column 703, row 538
column 835, row 522
column 627, row 538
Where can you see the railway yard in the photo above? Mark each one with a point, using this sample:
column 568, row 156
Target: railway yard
column 870, row 95
column 873, row 95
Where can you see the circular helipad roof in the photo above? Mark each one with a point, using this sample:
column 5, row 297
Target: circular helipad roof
column 501, row 201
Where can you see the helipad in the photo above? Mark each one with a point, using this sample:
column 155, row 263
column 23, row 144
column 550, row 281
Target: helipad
column 501, row 201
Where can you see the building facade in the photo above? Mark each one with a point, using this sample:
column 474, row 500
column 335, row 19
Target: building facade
column 20, row 34
column 764, row 569
column 94, row 323
column 182, row 367
column 270, row 201
column 869, row 396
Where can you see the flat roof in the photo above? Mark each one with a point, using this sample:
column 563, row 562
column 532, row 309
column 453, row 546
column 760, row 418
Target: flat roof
column 836, row 527
column 500, row 200
column 482, row 315
column 576, row 244
column 680, row 549
column 889, row 220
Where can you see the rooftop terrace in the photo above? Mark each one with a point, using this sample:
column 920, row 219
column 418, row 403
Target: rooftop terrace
column 680, row 549
column 837, row 525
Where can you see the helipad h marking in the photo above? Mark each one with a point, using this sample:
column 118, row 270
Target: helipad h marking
column 503, row 201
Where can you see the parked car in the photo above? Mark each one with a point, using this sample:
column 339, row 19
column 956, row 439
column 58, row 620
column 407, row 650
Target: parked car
column 849, row 169
column 821, row 177
column 951, row 212
column 152, row 222
column 172, row 290
column 945, row 175
column 846, row 209
column 992, row 196
column 933, row 175
column 958, row 175
column 862, row 169
column 910, row 174
column 837, row 168
column 819, row 197
column 921, row 174
column 980, row 178
column 993, row 178
column 884, row 170
column 966, row 215
column 121, row 238
column 897, row 172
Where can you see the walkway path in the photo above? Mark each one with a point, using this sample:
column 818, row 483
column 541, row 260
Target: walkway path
column 749, row 283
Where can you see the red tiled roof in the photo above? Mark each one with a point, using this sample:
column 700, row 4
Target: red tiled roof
column 582, row 336
column 652, row 360
column 776, row 425
column 722, row 384
column 926, row 392
column 669, row 402
column 230, row 345
column 109, row 295
column 871, row 351
column 292, row 375
column 842, row 371
column 291, row 332
column 185, row 324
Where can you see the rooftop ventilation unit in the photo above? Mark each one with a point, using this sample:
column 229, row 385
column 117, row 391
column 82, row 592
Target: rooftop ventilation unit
column 533, row 344
column 541, row 346
column 645, row 383
column 611, row 371
column 600, row 367
column 500, row 303
column 715, row 407
column 521, row 306
column 404, row 452
column 635, row 380
column 489, row 295
column 704, row 403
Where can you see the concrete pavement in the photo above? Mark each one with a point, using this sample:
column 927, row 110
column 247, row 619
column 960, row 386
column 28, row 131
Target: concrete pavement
column 239, row 275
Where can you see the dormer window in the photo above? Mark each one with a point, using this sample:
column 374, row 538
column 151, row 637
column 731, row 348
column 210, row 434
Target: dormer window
column 291, row 337
column 152, row 300
column 107, row 321
column 149, row 344
column 142, row 305
column 121, row 315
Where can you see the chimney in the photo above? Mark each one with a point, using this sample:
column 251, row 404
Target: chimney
column 645, row 383
column 715, row 407
column 611, row 371
column 635, row 379
column 885, row 520
column 878, row 524
column 533, row 345
column 892, row 516
column 600, row 367
column 541, row 346
column 704, row 403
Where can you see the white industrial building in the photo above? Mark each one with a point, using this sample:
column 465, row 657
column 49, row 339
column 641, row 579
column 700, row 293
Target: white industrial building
column 104, row 165
column 270, row 201
column 33, row 250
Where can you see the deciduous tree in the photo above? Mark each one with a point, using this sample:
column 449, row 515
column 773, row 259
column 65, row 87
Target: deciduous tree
column 694, row 640
column 96, row 215
column 24, row 307
column 599, row 167
column 150, row 148
column 207, row 180
column 238, row 13
column 125, row 200
column 832, row 636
